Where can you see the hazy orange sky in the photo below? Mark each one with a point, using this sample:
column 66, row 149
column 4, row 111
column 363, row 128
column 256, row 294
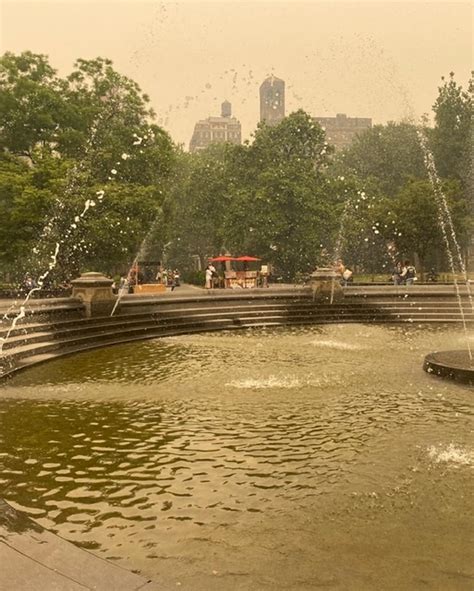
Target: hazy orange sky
column 368, row 59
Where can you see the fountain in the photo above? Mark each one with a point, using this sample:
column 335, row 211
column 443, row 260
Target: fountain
column 184, row 462
column 456, row 365
column 326, row 285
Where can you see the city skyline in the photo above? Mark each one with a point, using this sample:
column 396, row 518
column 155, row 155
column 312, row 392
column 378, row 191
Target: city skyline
column 340, row 130
column 380, row 60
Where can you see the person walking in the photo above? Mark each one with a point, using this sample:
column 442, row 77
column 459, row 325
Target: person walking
column 177, row 278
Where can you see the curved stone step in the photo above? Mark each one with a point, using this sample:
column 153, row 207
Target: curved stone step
column 41, row 337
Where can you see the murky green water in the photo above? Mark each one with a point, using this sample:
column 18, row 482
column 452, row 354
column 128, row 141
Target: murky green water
column 283, row 459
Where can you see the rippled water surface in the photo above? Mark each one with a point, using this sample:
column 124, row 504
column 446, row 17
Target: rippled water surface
column 282, row 459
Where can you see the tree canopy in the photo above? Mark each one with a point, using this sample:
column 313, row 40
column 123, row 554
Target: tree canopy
column 84, row 166
column 80, row 156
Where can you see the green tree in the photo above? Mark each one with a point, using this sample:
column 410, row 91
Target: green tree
column 91, row 134
column 451, row 138
column 418, row 221
column 296, row 139
column 113, row 119
column 96, row 114
column 279, row 206
column 388, row 154
column 195, row 206
column 32, row 107
column 26, row 203
column 367, row 230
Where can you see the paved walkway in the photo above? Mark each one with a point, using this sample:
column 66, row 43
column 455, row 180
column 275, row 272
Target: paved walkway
column 33, row 559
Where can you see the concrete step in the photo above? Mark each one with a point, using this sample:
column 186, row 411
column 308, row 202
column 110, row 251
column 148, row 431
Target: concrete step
column 73, row 329
column 159, row 313
column 42, row 342
column 46, row 346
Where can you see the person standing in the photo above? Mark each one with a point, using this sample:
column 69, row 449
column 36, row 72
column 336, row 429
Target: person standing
column 209, row 276
column 177, row 278
column 215, row 276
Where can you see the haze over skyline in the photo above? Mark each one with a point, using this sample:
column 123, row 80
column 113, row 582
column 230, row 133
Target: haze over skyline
column 382, row 60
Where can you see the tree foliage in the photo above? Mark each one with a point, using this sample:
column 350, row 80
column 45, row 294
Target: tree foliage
column 81, row 156
column 451, row 138
column 418, row 218
column 32, row 108
column 84, row 167
column 388, row 154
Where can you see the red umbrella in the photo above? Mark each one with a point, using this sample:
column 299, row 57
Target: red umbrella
column 222, row 259
column 247, row 259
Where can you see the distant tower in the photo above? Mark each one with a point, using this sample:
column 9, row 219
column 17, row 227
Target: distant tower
column 216, row 130
column 226, row 109
column 272, row 100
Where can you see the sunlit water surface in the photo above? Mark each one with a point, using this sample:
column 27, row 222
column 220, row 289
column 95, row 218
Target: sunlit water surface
column 266, row 459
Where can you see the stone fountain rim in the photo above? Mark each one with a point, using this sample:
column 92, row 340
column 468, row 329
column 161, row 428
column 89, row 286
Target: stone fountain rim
column 452, row 364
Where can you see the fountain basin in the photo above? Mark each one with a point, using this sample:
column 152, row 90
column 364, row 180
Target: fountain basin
column 173, row 450
column 455, row 365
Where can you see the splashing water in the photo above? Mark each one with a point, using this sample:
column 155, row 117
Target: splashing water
column 18, row 317
column 448, row 232
column 89, row 203
column 123, row 290
column 21, row 313
column 339, row 345
column 265, row 383
column 352, row 203
column 451, row 454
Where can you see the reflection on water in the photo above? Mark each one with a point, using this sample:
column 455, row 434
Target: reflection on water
column 282, row 459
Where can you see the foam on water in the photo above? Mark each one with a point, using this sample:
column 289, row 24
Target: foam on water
column 266, row 383
column 451, row 454
column 339, row 345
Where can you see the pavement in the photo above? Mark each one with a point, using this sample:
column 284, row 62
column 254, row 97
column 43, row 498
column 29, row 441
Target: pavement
column 34, row 559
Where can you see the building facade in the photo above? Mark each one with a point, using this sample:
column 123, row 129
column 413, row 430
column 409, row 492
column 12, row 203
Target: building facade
column 341, row 129
column 272, row 100
column 216, row 130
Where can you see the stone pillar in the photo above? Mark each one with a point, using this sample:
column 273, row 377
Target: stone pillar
column 95, row 291
column 326, row 285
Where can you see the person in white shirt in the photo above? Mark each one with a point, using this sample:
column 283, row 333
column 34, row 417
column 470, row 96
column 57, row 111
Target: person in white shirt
column 209, row 273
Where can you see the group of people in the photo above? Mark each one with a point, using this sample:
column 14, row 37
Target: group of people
column 211, row 276
column 404, row 273
column 168, row 277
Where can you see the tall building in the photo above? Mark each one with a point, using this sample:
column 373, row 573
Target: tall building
column 272, row 100
column 216, row 130
column 341, row 129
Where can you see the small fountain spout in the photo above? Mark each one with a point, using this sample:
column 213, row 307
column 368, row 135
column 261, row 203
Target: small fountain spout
column 326, row 286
